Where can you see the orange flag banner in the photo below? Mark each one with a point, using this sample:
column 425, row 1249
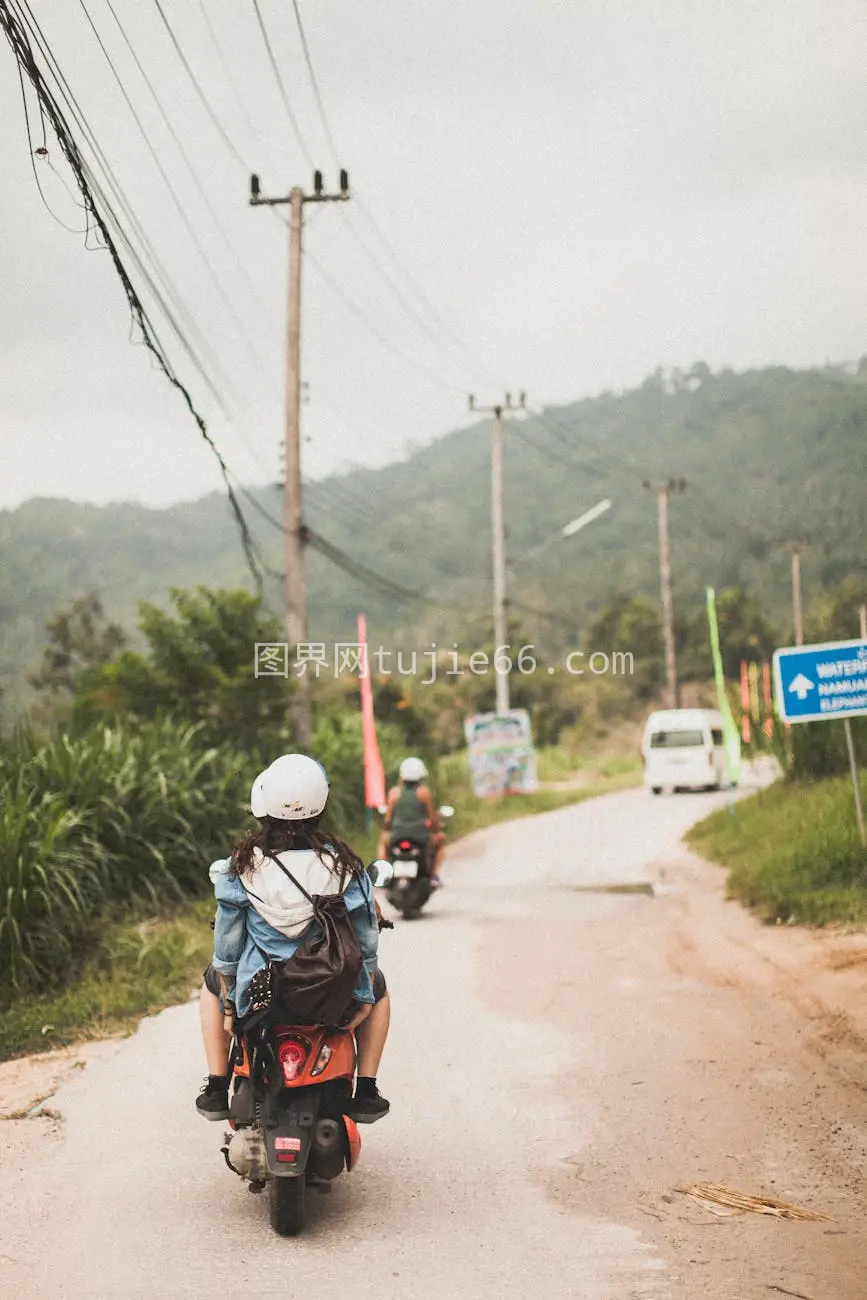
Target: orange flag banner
column 374, row 775
column 745, row 702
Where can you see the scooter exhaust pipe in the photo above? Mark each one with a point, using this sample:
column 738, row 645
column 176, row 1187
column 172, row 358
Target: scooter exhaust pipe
column 326, row 1149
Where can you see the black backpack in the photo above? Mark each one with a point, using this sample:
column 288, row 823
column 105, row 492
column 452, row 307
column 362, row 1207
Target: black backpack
column 316, row 985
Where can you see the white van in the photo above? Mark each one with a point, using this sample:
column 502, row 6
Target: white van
column 683, row 749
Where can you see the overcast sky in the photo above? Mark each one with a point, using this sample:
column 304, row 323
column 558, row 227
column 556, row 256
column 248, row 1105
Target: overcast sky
column 582, row 189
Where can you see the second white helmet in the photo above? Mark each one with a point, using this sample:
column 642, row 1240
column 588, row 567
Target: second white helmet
column 294, row 788
column 257, row 797
column 412, row 769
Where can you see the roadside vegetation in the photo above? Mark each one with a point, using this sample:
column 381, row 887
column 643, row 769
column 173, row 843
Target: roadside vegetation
column 147, row 951
column 133, row 773
column 793, row 852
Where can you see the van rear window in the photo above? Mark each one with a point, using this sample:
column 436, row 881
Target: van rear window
column 677, row 740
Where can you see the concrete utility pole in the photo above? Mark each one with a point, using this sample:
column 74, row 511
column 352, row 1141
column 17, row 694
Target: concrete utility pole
column 293, row 519
column 498, row 533
column 672, row 486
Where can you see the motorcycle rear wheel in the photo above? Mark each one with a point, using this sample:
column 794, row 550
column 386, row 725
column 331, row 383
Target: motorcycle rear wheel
column 286, row 1201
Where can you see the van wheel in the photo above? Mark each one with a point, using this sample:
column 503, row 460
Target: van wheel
column 286, row 1197
column 656, row 789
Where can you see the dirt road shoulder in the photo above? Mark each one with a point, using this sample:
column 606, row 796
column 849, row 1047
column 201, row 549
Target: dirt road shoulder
column 707, row 1047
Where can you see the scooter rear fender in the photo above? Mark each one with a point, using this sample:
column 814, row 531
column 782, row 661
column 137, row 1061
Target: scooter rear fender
column 289, row 1120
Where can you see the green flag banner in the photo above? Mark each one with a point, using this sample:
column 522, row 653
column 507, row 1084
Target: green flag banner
column 731, row 738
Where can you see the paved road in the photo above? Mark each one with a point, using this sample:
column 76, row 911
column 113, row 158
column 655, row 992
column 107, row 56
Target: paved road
column 559, row 1060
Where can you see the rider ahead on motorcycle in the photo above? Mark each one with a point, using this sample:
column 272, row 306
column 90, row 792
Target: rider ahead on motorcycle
column 410, row 815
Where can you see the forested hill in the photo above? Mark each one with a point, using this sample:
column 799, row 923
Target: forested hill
column 770, row 457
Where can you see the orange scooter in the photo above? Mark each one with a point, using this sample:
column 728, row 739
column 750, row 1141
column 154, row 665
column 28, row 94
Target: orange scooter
column 289, row 1122
column 290, row 1126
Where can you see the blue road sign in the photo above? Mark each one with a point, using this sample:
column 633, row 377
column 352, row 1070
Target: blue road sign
column 818, row 682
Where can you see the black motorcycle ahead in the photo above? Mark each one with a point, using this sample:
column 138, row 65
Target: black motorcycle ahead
column 410, row 886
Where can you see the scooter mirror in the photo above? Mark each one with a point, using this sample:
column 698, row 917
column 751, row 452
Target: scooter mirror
column 381, row 872
column 446, row 811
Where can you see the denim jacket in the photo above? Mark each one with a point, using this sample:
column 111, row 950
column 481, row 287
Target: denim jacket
column 244, row 940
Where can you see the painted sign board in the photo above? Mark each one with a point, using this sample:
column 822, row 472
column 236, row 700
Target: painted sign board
column 502, row 758
column 815, row 683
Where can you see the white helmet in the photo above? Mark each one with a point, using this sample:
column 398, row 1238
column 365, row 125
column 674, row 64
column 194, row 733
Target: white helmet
column 257, row 797
column 412, row 769
column 292, row 789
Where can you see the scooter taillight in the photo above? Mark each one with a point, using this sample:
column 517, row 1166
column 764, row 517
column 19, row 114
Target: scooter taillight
column 404, row 844
column 292, row 1055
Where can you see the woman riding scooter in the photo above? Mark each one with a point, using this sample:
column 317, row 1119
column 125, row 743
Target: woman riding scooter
column 410, row 814
column 262, row 916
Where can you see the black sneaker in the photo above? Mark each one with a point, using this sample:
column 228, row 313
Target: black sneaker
column 369, row 1106
column 213, row 1100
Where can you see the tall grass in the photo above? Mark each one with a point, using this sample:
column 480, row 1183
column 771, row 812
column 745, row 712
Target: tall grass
column 118, row 815
column 794, row 852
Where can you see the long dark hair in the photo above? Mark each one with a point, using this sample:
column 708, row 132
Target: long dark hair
column 275, row 836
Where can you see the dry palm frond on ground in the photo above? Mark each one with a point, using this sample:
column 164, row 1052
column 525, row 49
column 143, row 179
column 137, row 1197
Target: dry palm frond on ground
column 713, row 1194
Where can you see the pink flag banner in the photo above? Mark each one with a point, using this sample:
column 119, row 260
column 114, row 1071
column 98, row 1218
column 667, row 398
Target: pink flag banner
column 374, row 775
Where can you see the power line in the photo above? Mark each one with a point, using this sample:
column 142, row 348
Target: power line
column 202, row 97
column 343, row 502
column 166, row 293
column 18, row 40
column 376, row 581
column 281, row 86
column 228, row 243
column 159, row 283
column 372, row 329
column 315, row 85
column 413, row 285
column 227, row 71
column 212, row 275
column 400, row 294
column 31, row 152
column 369, row 577
column 278, row 524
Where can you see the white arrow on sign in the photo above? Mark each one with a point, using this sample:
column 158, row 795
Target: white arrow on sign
column 801, row 686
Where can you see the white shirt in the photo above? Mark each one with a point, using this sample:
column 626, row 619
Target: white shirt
column 276, row 898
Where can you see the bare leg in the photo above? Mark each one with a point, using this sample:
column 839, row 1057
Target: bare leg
column 370, row 1037
column 214, row 1036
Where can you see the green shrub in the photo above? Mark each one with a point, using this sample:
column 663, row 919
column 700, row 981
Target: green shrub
column 117, row 815
column 794, row 852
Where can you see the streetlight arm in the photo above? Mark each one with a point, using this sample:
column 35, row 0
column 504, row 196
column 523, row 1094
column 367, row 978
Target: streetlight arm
column 569, row 530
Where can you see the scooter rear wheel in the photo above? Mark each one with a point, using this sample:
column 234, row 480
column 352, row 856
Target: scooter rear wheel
column 286, row 1201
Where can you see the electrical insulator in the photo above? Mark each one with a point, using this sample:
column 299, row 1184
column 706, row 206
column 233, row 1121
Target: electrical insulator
column 254, row 186
column 344, row 181
column 317, row 182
